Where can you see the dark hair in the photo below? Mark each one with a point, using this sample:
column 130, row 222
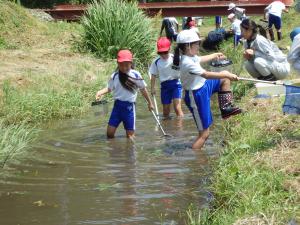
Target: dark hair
column 128, row 82
column 186, row 25
column 250, row 24
column 180, row 47
column 176, row 59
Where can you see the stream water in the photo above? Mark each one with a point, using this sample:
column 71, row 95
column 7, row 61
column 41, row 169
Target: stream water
column 74, row 175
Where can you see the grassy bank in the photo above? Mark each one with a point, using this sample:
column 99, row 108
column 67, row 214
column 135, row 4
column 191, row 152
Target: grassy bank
column 250, row 185
column 42, row 78
column 256, row 178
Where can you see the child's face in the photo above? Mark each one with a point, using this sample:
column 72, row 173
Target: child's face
column 194, row 48
column 124, row 67
column 164, row 55
column 246, row 33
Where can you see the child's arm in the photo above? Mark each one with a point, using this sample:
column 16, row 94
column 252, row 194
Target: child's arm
column 148, row 99
column 102, row 92
column 153, row 78
column 219, row 75
column 207, row 58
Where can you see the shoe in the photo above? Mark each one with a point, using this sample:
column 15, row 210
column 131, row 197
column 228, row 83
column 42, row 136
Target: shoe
column 230, row 110
column 270, row 77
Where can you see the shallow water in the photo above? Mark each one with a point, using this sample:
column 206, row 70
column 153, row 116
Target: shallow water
column 74, row 175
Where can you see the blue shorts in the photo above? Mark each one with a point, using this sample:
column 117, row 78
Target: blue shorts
column 274, row 20
column 218, row 19
column 198, row 102
column 170, row 89
column 123, row 112
column 236, row 39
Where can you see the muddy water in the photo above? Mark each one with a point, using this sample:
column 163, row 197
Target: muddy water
column 75, row 176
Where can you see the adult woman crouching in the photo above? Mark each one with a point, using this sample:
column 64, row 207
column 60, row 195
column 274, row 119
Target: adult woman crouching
column 264, row 60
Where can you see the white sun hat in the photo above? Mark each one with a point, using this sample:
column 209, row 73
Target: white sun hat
column 187, row 36
column 231, row 6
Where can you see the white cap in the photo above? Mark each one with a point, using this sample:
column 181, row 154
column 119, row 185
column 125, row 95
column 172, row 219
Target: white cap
column 231, row 16
column 231, row 6
column 187, row 36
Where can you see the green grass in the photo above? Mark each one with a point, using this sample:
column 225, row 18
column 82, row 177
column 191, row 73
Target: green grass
column 16, row 25
column 49, row 97
column 111, row 25
column 13, row 140
column 243, row 186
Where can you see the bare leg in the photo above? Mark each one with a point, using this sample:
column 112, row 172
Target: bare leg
column 130, row 134
column 202, row 137
column 225, row 84
column 166, row 110
column 177, row 107
column 110, row 133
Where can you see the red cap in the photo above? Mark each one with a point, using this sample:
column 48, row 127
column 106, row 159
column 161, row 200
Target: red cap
column 192, row 23
column 163, row 44
column 124, row 56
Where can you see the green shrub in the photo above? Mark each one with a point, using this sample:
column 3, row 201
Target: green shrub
column 111, row 25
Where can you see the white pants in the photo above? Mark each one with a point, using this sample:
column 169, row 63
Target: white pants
column 262, row 67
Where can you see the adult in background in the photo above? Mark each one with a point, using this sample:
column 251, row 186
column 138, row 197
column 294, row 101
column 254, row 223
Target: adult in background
column 274, row 11
column 239, row 13
column 235, row 28
column 192, row 26
column 264, row 60
column 186, row 22
column 170, row 25
column 294, row 53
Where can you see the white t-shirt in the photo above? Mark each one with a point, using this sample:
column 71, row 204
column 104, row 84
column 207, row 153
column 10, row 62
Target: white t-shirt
column 121, row 93
column 275, row 8
column 239, row 13
column 236, row 27
column 195, row 29
column 190, row 72
column 163, row 69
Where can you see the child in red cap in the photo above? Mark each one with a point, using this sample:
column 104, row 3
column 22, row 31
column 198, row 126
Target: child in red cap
column 124, row 84
column 171, row 89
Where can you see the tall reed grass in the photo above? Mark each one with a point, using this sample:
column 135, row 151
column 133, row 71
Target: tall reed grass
column 110, row 25
column 13, row 140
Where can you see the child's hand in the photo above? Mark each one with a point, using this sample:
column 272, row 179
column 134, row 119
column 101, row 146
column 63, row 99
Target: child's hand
column 99, row 95
column 248, row 54
column 230, row 76
column 219, row 56
column 150, row 106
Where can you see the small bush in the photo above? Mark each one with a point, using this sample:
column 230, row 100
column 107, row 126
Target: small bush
column 111, row 25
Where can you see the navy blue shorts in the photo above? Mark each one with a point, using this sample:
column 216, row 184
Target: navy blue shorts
column 236, row 39
column 198, row 102
column 170, row 89
column 274, row 20
column 218, row 19
column 123, row 112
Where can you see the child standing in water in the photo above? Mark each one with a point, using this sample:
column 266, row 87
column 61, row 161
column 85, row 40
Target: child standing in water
column 171, row 89
column 200, row 85
column 124, row 84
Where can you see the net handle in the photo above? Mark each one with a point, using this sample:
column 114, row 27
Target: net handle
column 260, row 81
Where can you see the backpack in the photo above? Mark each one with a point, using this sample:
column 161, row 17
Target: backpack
column 216, row 36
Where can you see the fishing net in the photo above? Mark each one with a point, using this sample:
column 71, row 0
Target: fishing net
column 292, row 100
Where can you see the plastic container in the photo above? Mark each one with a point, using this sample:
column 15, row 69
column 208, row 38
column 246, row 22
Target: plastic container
column 220, row 65
column 270, row 89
